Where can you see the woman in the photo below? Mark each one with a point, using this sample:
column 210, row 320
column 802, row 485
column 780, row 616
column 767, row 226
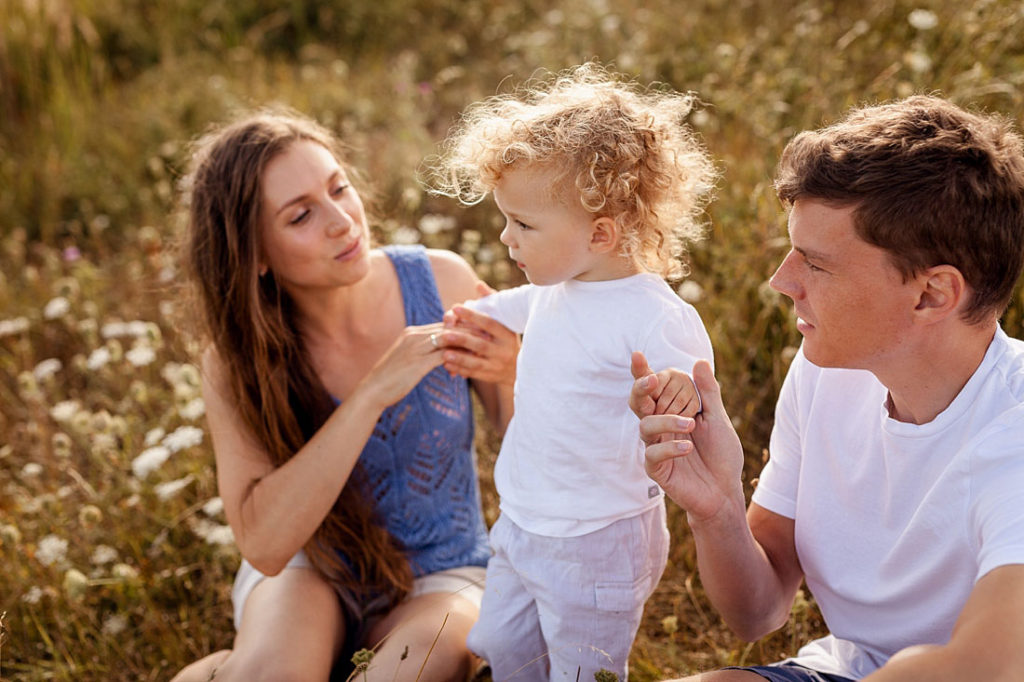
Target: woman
column 341, row 426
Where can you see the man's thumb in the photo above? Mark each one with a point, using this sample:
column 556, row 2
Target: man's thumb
column 638, row 365
column 707, row 387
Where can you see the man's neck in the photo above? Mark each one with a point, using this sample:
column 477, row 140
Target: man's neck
column 926, row 379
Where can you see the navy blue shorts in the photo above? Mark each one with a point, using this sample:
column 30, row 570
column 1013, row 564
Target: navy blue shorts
column 791, row 672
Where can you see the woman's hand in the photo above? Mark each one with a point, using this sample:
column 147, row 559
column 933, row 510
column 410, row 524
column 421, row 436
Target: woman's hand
column 477, row 347
column 416, row 351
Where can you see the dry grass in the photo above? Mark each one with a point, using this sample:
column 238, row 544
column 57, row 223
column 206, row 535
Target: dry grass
column 120, row 573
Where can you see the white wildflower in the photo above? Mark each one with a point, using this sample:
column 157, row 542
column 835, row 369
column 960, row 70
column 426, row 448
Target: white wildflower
column 183, row 437
column 149, row 461
column 31, row 470
column 167, row 490
column 690, row 291
column 923, row 19
column 56, row 308
column 104, row 554
column 124, row 571
column 193, row 409
column 13, row 326
column 140, row 355
column 75, row 584
column 65, row 410
column 47, row 368
column 405, row 235
column 51, row 550
column 98, row 358
column 114, row 624
column 213, row 533
column 919, row 62
column 154, row 436
column 32, row 595
column 485, row 254
column 433, row 223
column 213, row 507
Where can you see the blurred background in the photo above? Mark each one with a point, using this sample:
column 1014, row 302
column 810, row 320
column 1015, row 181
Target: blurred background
column 116, row 560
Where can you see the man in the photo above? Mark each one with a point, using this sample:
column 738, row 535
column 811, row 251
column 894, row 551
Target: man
column 895, row 483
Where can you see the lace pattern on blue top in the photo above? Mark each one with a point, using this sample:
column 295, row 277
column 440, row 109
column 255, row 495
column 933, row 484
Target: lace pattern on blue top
column 419, row 463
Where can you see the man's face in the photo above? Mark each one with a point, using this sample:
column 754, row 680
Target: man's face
column 852, row 305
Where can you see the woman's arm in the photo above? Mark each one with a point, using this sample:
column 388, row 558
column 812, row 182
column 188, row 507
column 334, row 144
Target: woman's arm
column 475, row 346
column 274, row 511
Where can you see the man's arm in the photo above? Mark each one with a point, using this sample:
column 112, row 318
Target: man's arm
column 747, row 560
column 986, row 640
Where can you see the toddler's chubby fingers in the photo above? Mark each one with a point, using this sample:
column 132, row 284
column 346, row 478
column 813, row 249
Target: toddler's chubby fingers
column 679, row 395
column 645, row 386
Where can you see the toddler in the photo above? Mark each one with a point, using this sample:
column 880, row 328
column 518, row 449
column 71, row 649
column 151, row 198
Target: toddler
column 600, row 183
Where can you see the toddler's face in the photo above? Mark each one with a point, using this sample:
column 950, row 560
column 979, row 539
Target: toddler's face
column 547, row 232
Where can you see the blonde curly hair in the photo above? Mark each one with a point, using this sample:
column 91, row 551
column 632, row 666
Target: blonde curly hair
column 626, row 150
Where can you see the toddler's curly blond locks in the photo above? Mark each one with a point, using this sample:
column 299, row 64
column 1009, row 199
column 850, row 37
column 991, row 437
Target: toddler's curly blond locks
column 626, row 150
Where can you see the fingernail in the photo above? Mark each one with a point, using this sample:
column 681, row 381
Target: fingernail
column 683, row 446
column 645, row 383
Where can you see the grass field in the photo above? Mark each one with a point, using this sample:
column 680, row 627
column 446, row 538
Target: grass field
column 116, row 561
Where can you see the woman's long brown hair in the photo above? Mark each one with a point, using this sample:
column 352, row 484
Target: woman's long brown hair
column 250, row 321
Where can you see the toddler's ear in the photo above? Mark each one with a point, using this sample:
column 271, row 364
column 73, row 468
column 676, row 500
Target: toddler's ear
column 604, row 235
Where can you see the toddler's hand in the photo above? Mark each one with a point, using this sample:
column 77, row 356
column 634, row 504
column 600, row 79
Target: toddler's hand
column 670, row 391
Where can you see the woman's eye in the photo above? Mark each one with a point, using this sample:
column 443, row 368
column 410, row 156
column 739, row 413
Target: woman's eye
column 340, row 189
column 299, row 218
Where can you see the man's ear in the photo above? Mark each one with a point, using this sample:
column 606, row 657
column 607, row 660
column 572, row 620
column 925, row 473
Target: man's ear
column 604, row 235
column 944, row 292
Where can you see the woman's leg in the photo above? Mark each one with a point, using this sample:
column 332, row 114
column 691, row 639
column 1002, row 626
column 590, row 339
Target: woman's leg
column 428, row 632
column 292, row 628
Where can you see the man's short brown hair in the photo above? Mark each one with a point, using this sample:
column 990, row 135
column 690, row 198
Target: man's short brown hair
column 931, row 183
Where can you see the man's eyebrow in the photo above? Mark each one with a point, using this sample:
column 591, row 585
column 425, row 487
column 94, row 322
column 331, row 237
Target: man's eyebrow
column 811, row 254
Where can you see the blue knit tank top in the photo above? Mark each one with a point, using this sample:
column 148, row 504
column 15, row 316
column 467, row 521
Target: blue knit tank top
column 419, row 462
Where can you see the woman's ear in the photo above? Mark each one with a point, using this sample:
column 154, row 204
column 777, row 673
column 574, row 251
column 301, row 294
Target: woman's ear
column 604, row 235
column 944, row 292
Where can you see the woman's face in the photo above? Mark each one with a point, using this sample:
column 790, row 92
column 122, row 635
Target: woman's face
column 313, row 225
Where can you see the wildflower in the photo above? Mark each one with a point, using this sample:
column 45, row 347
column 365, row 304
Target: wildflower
column 61, row 444
column 485, row 254
column 923, row 19
column 213, row 507
column 71, row 254
column 149, row 460
column 114, row 624
column 101, row 422
column 124, row 571
column 56, row 308
column 11, row 536
column 362, row 659
column 167, row 490
column 89, row 515
column 103, row 554
column 188, row 375
column 919, row 62
column 193, row 409
column 31, row 470
column 51, row 550
column 433, row 223
column 154, row 436
column 690, row 291
column 98, row 358
column 670, row 625
column 64, row 411
column 47, row 369
column 13, row 326
column 183, row 437
column 75, row 584
column 28, row 387
column 115, row 349
column 213, row 533
column 32, row 595
column 140, row 355
column 405, row 235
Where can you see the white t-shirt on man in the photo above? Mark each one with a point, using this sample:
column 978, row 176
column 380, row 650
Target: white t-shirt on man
column 572, row 461
column 896, row 522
